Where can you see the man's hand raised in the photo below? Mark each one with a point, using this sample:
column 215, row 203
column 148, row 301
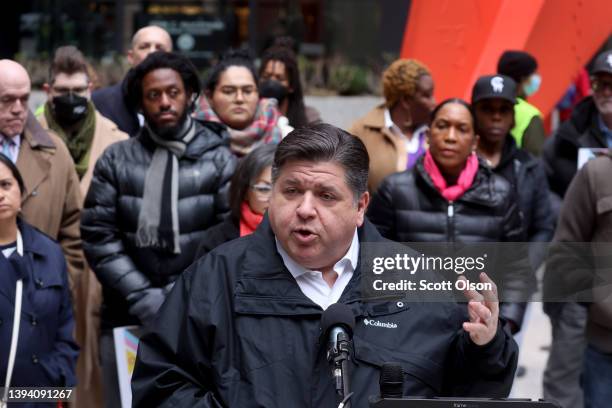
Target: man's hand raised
column 483, row 309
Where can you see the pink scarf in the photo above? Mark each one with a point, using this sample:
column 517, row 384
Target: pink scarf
column 465, row 180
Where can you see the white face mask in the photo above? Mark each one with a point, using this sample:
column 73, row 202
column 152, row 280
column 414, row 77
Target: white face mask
column 533, row 85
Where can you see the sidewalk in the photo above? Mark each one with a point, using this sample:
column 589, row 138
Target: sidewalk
column 533, row 355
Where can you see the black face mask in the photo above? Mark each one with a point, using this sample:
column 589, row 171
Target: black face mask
column 69, row 109
column 271, row 88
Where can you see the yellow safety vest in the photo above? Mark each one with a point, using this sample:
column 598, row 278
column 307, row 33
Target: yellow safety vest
column 524, row 112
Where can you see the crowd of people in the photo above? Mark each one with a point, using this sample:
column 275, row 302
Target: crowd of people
column 223, row 217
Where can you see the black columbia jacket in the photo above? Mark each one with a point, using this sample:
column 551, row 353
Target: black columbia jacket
column 236, row 331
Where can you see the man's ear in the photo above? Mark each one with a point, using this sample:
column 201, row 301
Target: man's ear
column 130, row 57
column 191, row 101
column 47, row 88
column 362, row 206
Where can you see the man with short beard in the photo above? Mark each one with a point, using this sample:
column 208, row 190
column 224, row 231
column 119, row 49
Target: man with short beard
column 152, row 198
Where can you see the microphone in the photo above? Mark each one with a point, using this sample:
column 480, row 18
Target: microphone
column 337, row 324
column 391, row 381
column 337, row 319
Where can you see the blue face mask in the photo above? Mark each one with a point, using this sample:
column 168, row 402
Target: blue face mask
column 533, row 85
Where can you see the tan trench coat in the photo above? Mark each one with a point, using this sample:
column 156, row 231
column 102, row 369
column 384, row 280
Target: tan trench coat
column 387, row 151
column 89, row 292
column 52, row 201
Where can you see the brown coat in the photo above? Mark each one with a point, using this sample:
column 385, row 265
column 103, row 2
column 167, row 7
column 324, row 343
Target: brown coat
column 387, row 151
column 89, row 291
column 52, row 201
column 586, row 216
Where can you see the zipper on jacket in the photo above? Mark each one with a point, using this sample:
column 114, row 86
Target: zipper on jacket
column 450, row 221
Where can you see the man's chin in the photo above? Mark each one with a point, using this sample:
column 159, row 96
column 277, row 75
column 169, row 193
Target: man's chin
column 307, row 256
column 14, row 130
column 168, row 130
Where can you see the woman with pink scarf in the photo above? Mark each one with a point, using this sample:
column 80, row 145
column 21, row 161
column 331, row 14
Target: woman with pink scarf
column 451, row 195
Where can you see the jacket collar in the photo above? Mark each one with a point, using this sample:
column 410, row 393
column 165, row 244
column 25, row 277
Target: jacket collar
column 32, row 247
column 35, row 155
column 31, row 242
column 481, row 192
column 208, row 136
column 35, row 135
column 266, row 287
column 511, row 153
column 582, row 128
column 375, row 118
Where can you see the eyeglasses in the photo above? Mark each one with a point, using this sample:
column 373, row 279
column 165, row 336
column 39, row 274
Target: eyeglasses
column 600, row 86
column 233, row 92
column 77, row 90
column 262, row 191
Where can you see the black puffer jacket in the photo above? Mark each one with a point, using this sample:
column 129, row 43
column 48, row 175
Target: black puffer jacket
column 408, row 208
column 110, row 216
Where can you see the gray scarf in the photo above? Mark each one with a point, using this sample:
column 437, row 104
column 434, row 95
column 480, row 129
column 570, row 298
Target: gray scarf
column 158, row 225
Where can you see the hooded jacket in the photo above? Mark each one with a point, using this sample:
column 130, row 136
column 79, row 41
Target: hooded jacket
column 236, row 331
column 112, row 206
column 408, row 208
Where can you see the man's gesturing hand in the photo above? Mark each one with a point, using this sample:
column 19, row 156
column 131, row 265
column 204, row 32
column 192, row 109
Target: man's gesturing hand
column 483, row 309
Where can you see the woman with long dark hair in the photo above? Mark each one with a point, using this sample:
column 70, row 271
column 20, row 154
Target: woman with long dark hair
column 280, row 78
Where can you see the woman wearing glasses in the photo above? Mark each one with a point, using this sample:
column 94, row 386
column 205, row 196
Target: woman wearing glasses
column 232, row 98
column 249, row 194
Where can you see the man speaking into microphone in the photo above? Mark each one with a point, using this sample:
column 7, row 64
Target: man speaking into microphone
column 242, row 326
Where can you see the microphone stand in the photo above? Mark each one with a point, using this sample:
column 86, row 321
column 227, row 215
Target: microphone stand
column 340, row 357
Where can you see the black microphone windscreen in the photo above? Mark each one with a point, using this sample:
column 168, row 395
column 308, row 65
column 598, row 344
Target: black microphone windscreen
column 391, row 381
column 337, row 314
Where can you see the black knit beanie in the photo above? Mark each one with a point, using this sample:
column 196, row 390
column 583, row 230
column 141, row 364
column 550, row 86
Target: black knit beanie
column 517, row 65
